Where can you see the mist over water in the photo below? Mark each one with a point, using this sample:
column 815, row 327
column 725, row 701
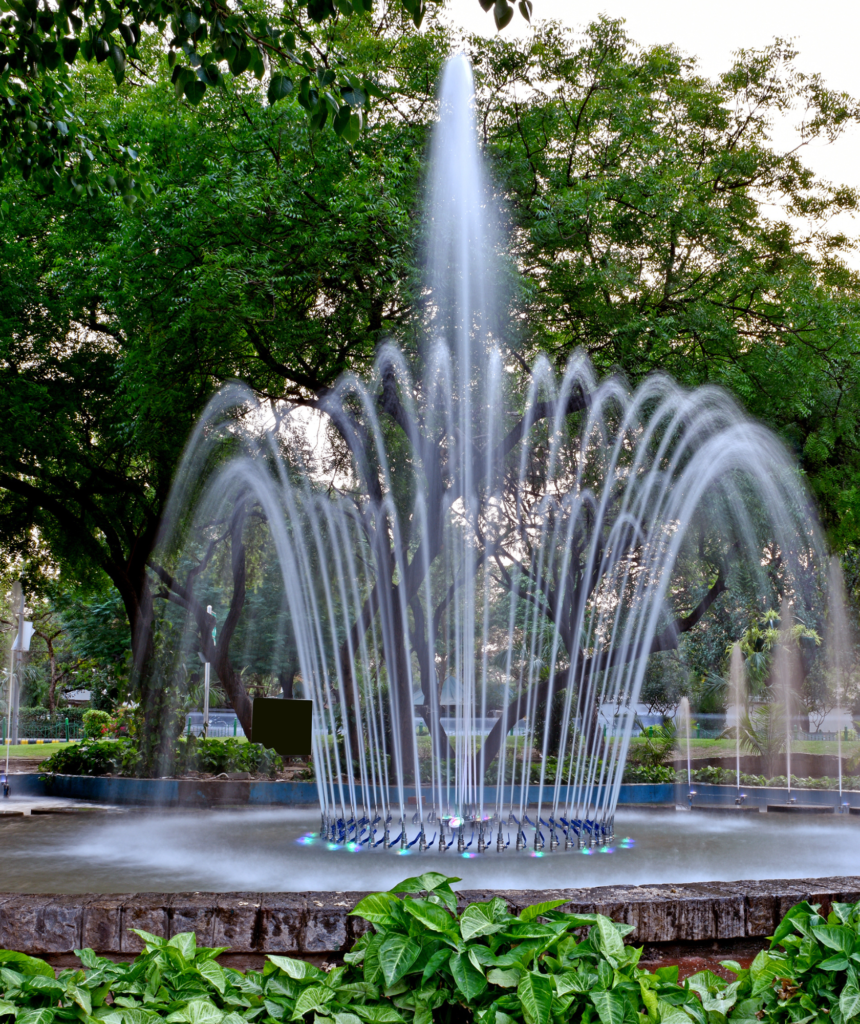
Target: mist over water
column 484, row 556
column 221, row 851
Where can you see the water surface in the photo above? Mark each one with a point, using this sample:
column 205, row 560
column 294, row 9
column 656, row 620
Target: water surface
column 259, row 850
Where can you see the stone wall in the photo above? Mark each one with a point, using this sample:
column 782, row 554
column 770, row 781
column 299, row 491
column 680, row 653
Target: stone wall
column 317, row 925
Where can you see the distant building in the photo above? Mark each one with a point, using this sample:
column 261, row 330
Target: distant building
column 77, row 698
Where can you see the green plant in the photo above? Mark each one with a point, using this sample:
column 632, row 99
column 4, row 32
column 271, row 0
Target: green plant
column 655, row 747
column 96, row 722
column 433, row 963
column 763, row 732
column 122, row 756
column 94, row 757
column 653, row 773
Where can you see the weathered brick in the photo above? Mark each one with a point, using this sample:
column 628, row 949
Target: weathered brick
column 146, row 911
column 282, row 920
column 236, row 921
column 194, row 912
column 102, row 924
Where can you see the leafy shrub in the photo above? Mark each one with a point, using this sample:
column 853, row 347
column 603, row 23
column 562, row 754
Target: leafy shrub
column 122, row 757
column 94, row 757
column 728, row 777
column 228, row 755
column 648, row 773
column 96, row 723
column 424, row 962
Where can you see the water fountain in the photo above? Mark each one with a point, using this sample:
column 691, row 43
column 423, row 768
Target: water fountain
column 786, row 675
column 493, row 557
column 687, row 726
column 838, row 655
column 738, row 689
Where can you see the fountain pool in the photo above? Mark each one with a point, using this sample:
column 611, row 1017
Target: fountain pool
column 260, row 850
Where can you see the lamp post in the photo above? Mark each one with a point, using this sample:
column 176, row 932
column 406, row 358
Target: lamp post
column 20, row 645
column 206, row 670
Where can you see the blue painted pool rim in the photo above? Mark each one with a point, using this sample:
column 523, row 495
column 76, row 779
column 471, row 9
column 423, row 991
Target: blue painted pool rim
column 121, row 791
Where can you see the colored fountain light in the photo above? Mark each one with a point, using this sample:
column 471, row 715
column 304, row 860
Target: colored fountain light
column 474, row 568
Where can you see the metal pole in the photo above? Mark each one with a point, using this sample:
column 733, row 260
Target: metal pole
column 206, row 669
column 12, row 689
column 205, row 700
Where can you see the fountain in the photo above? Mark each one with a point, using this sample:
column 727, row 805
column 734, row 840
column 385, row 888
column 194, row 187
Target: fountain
column 786, row 675
column 838, row 655
column 492, row 557
column 686, row 724
column 738, row 688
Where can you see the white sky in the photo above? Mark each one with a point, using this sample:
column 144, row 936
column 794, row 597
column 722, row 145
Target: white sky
column 827, row 34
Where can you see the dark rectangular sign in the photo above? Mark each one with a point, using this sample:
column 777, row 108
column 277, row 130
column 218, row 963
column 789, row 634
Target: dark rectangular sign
column 283, row 725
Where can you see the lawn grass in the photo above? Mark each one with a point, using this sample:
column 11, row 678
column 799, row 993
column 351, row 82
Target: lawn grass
column 32, row 751
column 726, row 748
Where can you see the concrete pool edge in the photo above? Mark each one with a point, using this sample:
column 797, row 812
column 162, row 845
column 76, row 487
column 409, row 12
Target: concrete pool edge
column 313, row 925
column 191, row 793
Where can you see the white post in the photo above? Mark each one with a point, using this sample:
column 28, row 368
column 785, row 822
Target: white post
column 206, row 668
column 12, row 688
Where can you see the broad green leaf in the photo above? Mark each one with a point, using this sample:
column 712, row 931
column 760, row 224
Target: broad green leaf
column 201, row 1011
column 135, row 1015
column 7, row 1008
column 536, row 909
column 82, row 997
column 514, row 958
column 797, row 919
column 26, row 964
column 469, row 980
column 280, row 86
column 843, row 911
column 377, row 1014
column 838, row 962
column 849, row 1001
column 667, row 975
column 396, row 955
column 376, row 907
column 706, row 982
column 186, row 943
column 346, row 1018
column 439, row 958
column 427, row 882
column 314, row 997
column 669, row 1014
column 214, row 974
column 298, row 969
column 535, row 993
column 610, row 1007
column 836, row 937
column 609, row 942
column 479, row 919
column 42, row 983
column 42, row 1016
column 715, row 992
column 573, row 981
column 649, row 998
column 431, row 915
column 509, row 978
column 372, row 970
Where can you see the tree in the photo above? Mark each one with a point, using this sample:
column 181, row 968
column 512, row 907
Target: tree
column 659, row 229
column 104, row 378
column 42, row 132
